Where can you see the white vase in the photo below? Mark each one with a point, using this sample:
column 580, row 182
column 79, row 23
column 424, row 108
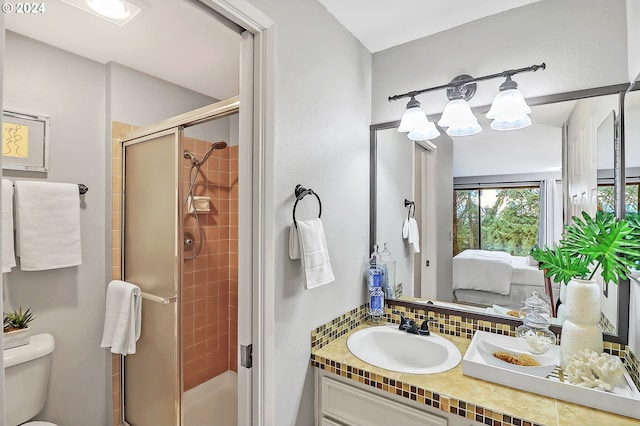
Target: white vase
column 15, row 338
column 580, row 329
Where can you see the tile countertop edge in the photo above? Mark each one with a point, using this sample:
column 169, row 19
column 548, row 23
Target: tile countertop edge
column 454, row 393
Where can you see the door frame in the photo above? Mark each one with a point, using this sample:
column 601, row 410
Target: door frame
column 260, row 196
column 257, row 160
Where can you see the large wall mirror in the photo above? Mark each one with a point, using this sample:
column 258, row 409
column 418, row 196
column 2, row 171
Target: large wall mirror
column 500, row 194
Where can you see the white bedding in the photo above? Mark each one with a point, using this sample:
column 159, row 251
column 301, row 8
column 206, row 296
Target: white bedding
column 493, row 271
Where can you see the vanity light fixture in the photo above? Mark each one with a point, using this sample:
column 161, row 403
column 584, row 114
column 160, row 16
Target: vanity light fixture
column 509, row 110
column 415, row 122
column 118, row 12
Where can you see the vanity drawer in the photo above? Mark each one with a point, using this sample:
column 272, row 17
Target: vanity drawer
column 351, row 406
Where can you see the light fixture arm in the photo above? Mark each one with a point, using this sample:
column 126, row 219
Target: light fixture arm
column 459, row 83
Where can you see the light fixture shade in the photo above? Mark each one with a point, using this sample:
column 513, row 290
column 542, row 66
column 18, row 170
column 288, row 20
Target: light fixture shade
column 459, row 119
column 508, row 105
column 429, row 132
column 413, row 118
column 517, row 123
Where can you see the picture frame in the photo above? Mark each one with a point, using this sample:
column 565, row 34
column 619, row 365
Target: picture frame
column 25, row 142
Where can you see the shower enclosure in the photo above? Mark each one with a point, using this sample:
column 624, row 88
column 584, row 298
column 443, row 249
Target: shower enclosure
column 180, row 246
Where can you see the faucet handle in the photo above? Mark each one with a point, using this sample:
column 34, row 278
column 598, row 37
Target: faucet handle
column 405, row 323
column 424, row 328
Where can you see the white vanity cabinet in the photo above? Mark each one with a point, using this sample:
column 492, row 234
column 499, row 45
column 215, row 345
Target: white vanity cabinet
column 342, row 402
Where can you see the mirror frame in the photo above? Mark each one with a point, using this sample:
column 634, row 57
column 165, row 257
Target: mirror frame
column 622, row 335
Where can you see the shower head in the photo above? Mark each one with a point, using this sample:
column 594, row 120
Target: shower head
column 214, row 146
column 194, row 162
column 189, row 156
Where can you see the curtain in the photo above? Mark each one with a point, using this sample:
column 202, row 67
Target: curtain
column 546, row 225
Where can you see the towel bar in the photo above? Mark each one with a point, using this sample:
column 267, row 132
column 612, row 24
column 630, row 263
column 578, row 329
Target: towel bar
column 158, row 299
column 82, row 188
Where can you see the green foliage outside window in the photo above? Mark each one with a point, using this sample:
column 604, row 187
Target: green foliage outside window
column 496, row 219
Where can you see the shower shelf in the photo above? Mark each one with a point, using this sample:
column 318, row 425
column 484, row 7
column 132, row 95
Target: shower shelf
column 201, row 204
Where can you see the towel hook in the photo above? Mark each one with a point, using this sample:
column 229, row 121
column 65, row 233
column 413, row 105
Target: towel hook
column 410, row 204
column 301, row 192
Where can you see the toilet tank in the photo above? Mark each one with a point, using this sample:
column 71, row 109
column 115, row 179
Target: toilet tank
column 27, row 369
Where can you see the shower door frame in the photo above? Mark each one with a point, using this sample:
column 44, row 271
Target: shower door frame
column 175, row 124
column 171, row 299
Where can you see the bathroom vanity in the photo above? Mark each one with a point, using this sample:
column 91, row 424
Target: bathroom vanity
column 350, row 391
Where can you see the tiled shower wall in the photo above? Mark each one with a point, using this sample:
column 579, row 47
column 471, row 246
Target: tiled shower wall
column 210, row 282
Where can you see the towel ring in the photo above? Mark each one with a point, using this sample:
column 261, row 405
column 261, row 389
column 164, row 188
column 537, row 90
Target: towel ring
column 410, row 204
column 300, row 192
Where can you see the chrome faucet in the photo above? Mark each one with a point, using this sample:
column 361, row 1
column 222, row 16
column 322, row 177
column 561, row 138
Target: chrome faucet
column 410, row 326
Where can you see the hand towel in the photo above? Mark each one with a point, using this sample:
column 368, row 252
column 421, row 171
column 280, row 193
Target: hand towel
column 294, row 243
column 314, row 253
column 122, row 318
column 47, row 225
column 8, row 253
column 411, row 234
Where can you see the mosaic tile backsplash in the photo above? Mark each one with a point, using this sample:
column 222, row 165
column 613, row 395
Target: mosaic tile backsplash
column 453, row 325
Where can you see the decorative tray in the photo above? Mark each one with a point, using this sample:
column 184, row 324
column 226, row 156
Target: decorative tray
column 623, row 399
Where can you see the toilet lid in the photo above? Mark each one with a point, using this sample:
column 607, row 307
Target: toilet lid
column 38, row 424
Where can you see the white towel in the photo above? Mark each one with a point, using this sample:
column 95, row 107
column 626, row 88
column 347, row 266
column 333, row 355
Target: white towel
column 294, row 243
column 314, row 253
column 122, row 318
column 8, row 253
column 47, row 225
column 411, row 234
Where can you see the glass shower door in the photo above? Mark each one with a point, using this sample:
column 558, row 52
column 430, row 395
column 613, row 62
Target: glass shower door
column 152, row 260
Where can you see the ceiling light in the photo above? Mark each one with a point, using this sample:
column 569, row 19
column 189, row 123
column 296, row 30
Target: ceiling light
column 118, row 12
column 415, row 122
column 509, row 110
column 110, row 8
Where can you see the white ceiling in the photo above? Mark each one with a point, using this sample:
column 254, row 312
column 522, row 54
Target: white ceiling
column 169, row 39
column 177, row 42
column 381, row 24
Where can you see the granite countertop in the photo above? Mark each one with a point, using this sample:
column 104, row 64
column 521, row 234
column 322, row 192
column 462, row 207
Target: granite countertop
column 476, row 392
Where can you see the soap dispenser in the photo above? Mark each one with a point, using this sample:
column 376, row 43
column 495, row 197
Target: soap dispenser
column 375, row 276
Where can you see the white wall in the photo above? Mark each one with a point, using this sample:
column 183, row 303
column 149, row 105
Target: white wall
column 68, row 302
column 140, row 99
column 322, row 104
column 633, row 37
column 583, row 43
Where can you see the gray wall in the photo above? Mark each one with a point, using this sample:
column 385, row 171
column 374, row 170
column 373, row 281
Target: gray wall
column 322, row 110
column 68, row 302
column 140, row 99
column 633, row 35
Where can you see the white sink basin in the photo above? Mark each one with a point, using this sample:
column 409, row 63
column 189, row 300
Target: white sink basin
column 395, row 350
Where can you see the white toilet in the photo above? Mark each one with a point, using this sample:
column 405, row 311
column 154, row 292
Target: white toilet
column 27, row 370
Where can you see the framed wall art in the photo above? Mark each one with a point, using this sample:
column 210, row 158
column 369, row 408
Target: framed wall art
column 25, row 142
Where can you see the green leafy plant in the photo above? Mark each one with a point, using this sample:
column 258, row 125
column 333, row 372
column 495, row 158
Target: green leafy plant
column 590, row 243
column 17, row 320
